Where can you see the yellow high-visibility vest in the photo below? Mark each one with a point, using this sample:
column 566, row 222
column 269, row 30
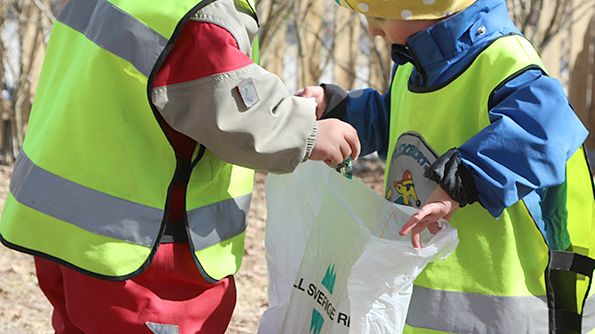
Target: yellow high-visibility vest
column 90, row 186
column 500, row 277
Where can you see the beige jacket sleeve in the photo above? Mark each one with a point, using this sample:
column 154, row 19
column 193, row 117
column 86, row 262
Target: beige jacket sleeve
column 244, row 116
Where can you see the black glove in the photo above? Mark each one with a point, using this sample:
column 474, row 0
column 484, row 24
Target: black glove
column 450, row 173
column 336, row 102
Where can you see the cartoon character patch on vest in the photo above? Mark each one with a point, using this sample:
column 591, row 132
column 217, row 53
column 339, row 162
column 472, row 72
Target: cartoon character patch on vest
column 405, row 180
column 406, row 189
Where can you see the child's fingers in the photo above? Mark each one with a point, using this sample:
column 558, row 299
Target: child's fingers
column 434, row 227
column 345, row 150
column 424, row 218
column 305, row 92
column 416, row 240
column 416, row 234
column 415, row 219
column 335, row 158
column 353, row 141
column 409, row 224
column 417, row 229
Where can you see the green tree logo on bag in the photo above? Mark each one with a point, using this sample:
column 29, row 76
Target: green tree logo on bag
column 317, row 322
column 329, row 278
column 329, row 283
column 321, row 294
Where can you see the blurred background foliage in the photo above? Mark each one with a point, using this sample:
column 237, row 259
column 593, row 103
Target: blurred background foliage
column 307, row 42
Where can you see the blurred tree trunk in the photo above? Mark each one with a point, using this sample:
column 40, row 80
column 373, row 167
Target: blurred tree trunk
column 5, row 132
column 31, row 21
column 32, row 25
column 273, row 30
column 581, row 89
column 380, row 64
column 273, row 16
column 309, row 23
column 540, row 21
column 274, row 58
column 346, row 47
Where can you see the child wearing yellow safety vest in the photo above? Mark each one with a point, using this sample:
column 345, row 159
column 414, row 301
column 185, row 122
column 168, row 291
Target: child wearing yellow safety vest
column 133, row 186
column 474, row 130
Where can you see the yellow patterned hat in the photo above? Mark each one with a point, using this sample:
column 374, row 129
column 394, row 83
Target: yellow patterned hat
column 407, row 9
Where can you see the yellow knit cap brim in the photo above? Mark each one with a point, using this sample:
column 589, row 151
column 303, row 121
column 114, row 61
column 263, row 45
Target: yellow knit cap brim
column 407, row 9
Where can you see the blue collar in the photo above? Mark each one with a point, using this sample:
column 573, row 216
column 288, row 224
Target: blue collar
column 433, row 50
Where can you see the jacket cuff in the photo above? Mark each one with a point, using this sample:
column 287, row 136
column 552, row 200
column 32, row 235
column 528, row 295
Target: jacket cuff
column 336, row 102
column 450, row 173
column 311, row 141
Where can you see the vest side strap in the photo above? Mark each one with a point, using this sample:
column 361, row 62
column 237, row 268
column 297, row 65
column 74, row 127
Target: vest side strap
column 567, row 322
column 573, row 262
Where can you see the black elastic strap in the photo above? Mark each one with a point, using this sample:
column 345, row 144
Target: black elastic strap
column 201, row 152
column 452, row 175
column 182, row 172
column 175, row 231
column 561, row 276
column 573, row 262
column 567, row 322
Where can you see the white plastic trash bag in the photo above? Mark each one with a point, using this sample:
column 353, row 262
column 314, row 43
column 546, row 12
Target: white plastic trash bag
column 335, row 259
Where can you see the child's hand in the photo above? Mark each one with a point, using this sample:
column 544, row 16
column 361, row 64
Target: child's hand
column 317, row 93
column 439, row 205
column 335, row 142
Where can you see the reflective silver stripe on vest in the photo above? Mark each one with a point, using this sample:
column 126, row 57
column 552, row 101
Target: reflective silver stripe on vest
column 589, row 314
column 461, row 312
column 84, row 207
column 218, row 221
column 115, row 31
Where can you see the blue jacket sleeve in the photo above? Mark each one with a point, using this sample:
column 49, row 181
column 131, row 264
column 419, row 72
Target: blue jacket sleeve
column 368, row 112
column 533, row 132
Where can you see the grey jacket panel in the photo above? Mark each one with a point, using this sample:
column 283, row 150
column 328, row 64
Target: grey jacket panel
column 244, row 116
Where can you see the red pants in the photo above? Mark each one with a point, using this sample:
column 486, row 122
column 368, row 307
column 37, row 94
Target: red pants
column 169, row 297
